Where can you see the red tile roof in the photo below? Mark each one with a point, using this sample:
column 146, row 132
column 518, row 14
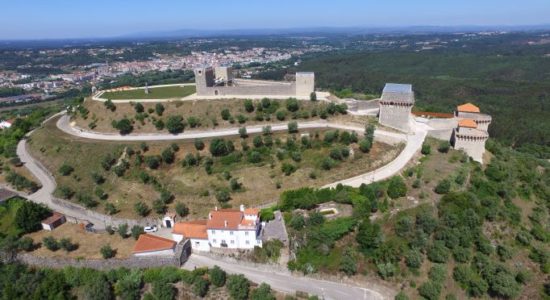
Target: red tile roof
column 151, row 243
column 224, row 218
column 191, row 229
column 468, row 123
column 468, row 107
column 251, row 211
column 55, row 217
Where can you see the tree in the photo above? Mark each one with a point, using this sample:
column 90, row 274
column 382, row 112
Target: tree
column 181, row 209
column 397, row 187
column 288, row 169
column 292, row 127
column 174, row 124
column 97, row 178
column 159, row 207
column 193, row 121
column 124, row 126
column 123, row 230
column 266, row 130
column 51, row 243
column 348, row 264
column 107, row 252
column 128, row 285
column 30, row 215
column 136, row 231
column 238, row 287
column 110, row 208
column 242, row 132
column 67, row 245
column 292, row 104
column 159, row 109
column 313, row 96
column 401, row 296
column 109, row 105
column 98, row 289
column 438, row 253
column 153, row 162
column 217, row 276
column 220, row 147
column 414, row 259
column 248, row 105
column 297, row 222
column 141, row 209
column 65, row 169
column 369, row 236
column 262, row 292
column 280, row 115
column 138, row 107
column 223, row 196
column 430, row 290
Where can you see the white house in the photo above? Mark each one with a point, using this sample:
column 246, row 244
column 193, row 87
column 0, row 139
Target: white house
column 5, row 124
column 224, row 228
column 152, row 245
column 195, row 231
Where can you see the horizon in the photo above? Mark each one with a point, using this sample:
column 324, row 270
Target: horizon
column 56, row 20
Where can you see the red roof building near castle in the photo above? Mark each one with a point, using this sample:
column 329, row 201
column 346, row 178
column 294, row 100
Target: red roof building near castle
column 468, row 107
column 152, row 243
column 191, row 229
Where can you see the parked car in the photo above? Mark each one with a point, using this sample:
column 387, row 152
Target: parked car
column 150, row 228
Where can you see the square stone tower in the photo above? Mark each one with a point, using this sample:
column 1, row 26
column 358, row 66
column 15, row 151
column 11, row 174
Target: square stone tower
column 204, row 78
column 224, row 74
column 305, row 83
column 395, row 106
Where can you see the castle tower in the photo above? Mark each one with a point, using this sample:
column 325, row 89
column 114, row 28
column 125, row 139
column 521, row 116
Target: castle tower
column 305, row 84
column 470, row 111
column 395, row 106
column 146, row 88
column 469, row 138
column 204, row 78
column 224, row 74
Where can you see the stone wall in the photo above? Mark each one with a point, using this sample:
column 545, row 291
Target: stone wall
column 252, row 90
column 395, row 116
column 475, row 148
column 355, row 105
column 182, row 252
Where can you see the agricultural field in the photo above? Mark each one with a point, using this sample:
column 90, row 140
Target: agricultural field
column 116, row 178
column 200, row 114
column 168, row 92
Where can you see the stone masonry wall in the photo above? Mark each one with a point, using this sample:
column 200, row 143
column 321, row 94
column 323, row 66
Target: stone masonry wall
column 395, row 116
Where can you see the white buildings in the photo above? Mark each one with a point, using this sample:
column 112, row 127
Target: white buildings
column 224, row 228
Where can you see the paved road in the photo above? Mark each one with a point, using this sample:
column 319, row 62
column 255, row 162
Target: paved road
column 64, row 124
column 413, row 146
column 288, row 283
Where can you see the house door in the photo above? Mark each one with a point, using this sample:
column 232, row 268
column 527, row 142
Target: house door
column 168, row 223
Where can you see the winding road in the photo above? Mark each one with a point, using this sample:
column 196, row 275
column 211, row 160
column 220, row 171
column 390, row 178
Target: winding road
column 283, row 281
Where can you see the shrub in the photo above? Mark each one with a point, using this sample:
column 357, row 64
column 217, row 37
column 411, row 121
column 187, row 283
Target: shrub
column 199, row 144
column 50, row 243
column 444, row 147
column 397, row 187
column 297, row 222
column 65, row 170
column 138, row 107
column 193, row 122
column 292, row 104
column 107, row 252
column 288, row 168
column 443, row 187
column 327, row 163
column 238, row 287
column 225, row 114
column 262, row 292
column 181, row 209
column 136, row 231
column 124, row 126
column 313, row 96
column 168, row 155
column 221, row 147
column 426, row 149
column 109, row 105
column 280, row 115
column 348, row 264
column 174, row 124
column 438, row 253
column 97, row 178
column 248, row 105
column 123, row 230
column 293, row 127
column 153, row 161
column 414, row 259
column 200, row 287
column 365, row 145
column 217, row 276
column 110, row 208
column 223, row 196
column 430, row 290
column 159, row 109
column 141, row 209
column 67, row 245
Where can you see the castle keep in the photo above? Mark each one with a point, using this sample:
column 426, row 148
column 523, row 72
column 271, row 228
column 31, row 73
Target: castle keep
column 471, row 133
column 220, row 82
column 395, row 106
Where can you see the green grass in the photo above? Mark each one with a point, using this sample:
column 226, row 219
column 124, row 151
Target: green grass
column 7, row 216
column 154, row 93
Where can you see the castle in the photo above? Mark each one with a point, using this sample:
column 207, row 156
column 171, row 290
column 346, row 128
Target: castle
column 466, row 129
column 221, row 82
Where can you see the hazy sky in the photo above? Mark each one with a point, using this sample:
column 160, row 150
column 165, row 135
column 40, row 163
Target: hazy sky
column 24, row 19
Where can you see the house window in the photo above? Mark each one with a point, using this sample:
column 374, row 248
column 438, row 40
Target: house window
column 197, row 243
column 214, row 241
column 231, row 232
column 248, row 242
column 213, row 231
column 246, row 233
column 232, row 242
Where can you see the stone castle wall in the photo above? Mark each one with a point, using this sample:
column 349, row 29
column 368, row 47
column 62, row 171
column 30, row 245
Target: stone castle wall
column 395, row 116
column 275, row 90
column 474, row 147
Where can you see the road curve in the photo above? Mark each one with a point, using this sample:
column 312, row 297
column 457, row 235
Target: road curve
column 285, row 282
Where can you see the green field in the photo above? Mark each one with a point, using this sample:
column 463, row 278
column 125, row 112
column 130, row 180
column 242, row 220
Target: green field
column 154, row 93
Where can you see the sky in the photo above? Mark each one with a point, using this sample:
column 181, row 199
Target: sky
column 50, row 19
